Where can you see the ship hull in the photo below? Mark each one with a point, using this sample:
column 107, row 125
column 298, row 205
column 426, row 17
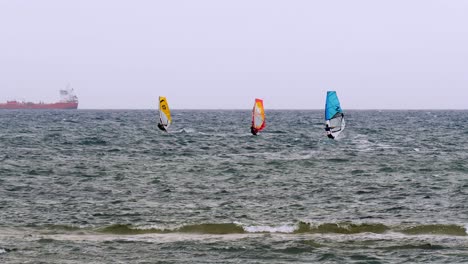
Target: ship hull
column 17, row 105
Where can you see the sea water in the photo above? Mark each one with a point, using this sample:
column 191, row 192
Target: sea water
column 109, row 187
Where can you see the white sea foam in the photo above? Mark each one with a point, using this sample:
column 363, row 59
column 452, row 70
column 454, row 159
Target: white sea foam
column 2, row 251
column 163, row 227
column 362, row 143
column 185, row 130
column 270, row 229
column 149, row 227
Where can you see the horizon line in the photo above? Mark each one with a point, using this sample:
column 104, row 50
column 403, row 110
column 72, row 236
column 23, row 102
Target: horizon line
column 284, row 109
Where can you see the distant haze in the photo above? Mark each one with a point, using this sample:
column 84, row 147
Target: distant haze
column 212, row 54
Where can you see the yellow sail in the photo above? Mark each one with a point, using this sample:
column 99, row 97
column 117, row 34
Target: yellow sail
column 164, row 112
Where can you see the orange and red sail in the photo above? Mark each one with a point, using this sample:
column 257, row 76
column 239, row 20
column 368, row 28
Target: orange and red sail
column 258, row 115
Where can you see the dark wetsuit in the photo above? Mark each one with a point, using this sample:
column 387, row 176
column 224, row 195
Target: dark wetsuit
column 160, row 126
column 253, row 130
column 329, row 134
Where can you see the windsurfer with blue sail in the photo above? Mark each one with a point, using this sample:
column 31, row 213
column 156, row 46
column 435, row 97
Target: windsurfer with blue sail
column 334, row 117
column 328, row 130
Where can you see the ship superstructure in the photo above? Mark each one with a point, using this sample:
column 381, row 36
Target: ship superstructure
column 68, row 100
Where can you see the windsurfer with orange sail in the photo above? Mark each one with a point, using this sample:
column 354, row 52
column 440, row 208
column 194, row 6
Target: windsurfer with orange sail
column 258, row 117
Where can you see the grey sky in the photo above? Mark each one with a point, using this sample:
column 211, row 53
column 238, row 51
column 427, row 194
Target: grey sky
column 223, row 54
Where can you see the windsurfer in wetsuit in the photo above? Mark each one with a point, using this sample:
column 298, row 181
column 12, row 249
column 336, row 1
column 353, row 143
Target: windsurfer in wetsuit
column 161, row 126
column 328, row 130
column 253, row 130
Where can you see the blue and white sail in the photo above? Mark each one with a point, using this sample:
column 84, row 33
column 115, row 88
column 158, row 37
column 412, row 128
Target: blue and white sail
column 334, row 116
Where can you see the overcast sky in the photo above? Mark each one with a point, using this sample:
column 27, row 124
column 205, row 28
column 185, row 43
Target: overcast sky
column 215, row 54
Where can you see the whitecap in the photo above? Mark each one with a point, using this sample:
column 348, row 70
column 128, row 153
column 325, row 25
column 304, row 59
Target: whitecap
column 270, row 229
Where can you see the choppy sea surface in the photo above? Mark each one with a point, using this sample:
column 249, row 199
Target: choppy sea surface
column 109, row 187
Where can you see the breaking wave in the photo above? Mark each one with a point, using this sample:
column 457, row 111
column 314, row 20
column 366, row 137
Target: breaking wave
column 299, row 228
column 208, row 228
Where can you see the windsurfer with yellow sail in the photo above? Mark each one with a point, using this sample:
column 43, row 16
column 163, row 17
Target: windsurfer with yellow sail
column 164, row 114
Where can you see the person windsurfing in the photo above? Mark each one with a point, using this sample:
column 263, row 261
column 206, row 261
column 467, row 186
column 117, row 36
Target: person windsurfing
column 328, row 130
column 253, row 130
column 161, row 126
column 258, row 117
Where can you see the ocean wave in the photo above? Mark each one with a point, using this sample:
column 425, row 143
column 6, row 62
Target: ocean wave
column 298, row 228
column 271, row 229
column 439, row 229
column 341, row 228
column 207, row 228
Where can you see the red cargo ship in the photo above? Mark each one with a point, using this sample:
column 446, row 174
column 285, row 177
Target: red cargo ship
column 68, row 101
